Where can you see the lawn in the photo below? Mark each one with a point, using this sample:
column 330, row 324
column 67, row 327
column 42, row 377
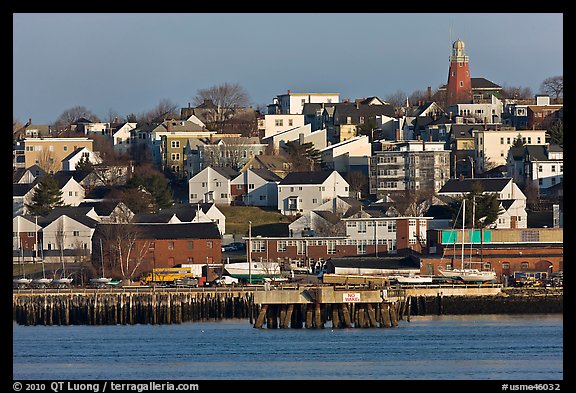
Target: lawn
column 265, row 222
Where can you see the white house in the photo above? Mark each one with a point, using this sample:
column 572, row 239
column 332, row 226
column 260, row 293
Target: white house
column 300, row 192
column 512, row 199
column 275, row 123
column 72, row 192
column 255, row 187
column 301, row 134
column 211, row 185
column 354, row 152
column 67, row 234
column 121, row 134
column 293, row 103
column 82, row 153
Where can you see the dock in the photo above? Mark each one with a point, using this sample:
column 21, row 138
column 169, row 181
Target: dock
column 313, row 307
column 285, row 306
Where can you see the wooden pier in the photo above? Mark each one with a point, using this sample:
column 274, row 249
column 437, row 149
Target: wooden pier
column 129, row 307
column 313, row 307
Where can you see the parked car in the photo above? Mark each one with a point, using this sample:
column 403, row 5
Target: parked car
column 228, row 248
column 226, row 281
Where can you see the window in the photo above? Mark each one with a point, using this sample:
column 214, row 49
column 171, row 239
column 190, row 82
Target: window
column 224, row 195
column 461, row 84
column 251, row 186
column 279, row 122
column 190, row 245
column 209, row 244
column 553, row 168
column 501, row 141
column 361, row 247
column 193, row 196
column 524, row 266
column 290, row 122
column 281, row 247
column 175, row 144
column 170, row 245
column 75, row 233
column 239, row 186
column 361, row 227
column 505, row 265
column 453, row 73
column 331, row 247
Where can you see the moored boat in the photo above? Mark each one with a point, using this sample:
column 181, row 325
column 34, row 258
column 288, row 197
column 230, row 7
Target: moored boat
column 255, row 270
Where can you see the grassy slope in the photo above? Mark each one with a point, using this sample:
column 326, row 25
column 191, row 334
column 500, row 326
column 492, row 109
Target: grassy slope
column 264, row 222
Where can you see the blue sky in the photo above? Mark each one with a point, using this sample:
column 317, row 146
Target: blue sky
column 129, row 62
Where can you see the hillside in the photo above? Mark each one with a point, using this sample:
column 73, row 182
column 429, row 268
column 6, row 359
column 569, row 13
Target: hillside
column 265, row 222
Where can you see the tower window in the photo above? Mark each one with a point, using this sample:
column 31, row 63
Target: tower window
column 461, row 84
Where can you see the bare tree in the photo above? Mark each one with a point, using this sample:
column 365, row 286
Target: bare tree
column 230, row 152
column 227, row 98
column 358, row 183
column 554, row 87
column 398, row 101
column 69, row 116
column 517, row 92
column 47, row 162
column 165, row 109
column 125, row 251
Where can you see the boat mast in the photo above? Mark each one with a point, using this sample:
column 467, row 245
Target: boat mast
column 463, row 224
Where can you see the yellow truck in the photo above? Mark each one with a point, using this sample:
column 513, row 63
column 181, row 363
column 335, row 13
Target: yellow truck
column 173, row 276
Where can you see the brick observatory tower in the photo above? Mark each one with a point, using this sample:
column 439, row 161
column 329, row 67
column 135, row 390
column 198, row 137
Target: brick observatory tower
column 459, row 88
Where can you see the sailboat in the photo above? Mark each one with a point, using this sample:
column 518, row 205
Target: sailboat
column 22, row 281
column 467, row 274
column 63, row 281
column 101, row 281
column 43, row 281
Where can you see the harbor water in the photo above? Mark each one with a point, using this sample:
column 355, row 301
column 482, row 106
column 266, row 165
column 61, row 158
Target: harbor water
column 470, row 347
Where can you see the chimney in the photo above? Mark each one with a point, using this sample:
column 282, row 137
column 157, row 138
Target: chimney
column 430, row 137
column 429, row 92
column 484, row 123
column 29, row 120
column 288, row 91
column 418, row 137
column 211, row 138
column 450, row 115
column 357, row 105
column 397, row 134
column 188, row 104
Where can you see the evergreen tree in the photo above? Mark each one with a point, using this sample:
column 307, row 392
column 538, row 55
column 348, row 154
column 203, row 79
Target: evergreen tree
column 156, row 185
column 46, row 197
column 304, row 157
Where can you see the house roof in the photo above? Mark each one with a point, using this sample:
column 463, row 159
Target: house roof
column 21, row 189
column 328, row 216
column 184, row 212
column 466, row 185
column 266, row 174
column 225, row 171
column 482, row 83
column 196, row 230
column 77, row 213
column 408, row 262
column 63, row 177
column 102, row 208
column 305, row 178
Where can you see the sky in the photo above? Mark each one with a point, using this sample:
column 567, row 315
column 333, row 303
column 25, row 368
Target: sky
column 129, row 62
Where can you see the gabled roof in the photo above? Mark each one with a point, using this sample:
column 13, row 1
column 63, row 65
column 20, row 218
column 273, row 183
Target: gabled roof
column 196, row 230
column 482, row 83
column 305, row 178
column 21, row 189
column 225, row 171
column 488, row 185
column 328, row 216
column 536, row 152
column 77, row 213
column 266, row 174
column 102, row 208
column 63, row 177
column 184, row 212
column 74, row 153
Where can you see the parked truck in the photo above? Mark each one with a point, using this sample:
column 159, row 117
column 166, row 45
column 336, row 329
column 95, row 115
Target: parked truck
column 172, row 276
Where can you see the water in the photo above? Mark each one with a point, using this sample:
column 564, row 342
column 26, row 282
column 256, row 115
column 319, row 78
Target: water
column 478, row 347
